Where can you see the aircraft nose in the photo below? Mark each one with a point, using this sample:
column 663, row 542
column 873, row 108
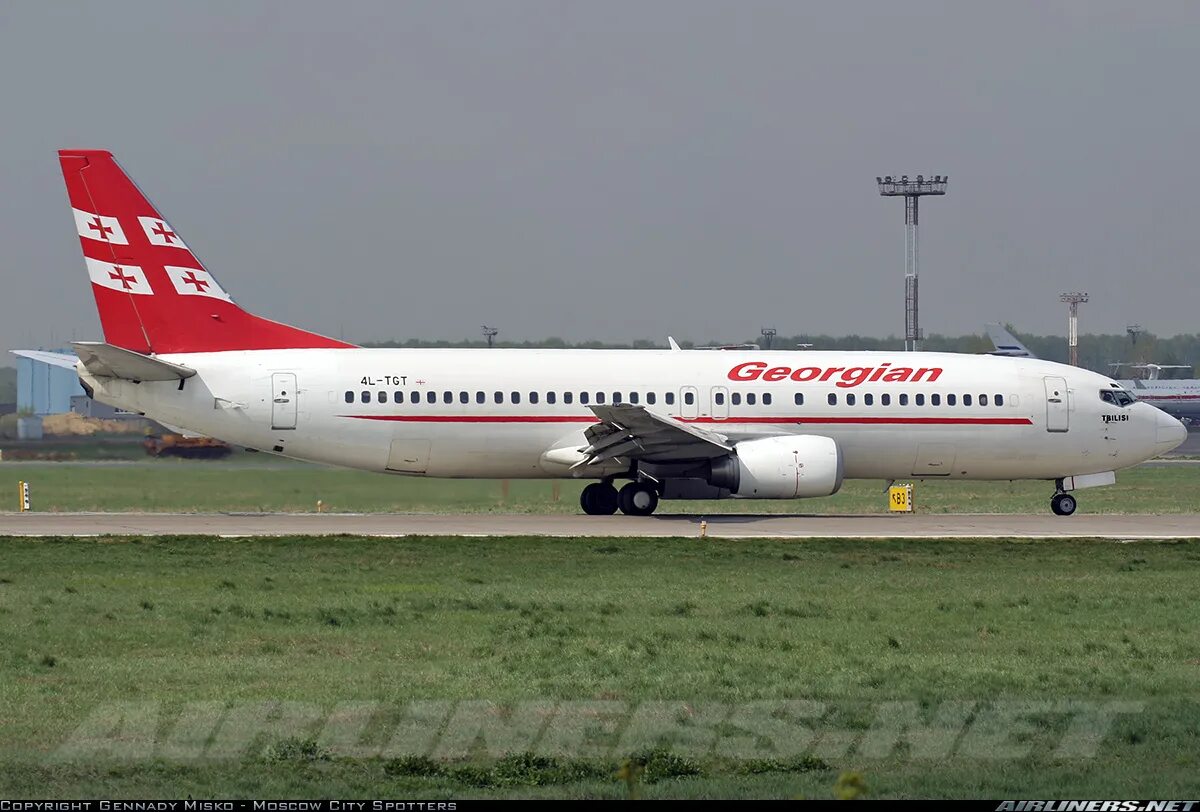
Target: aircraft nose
column 1169, row 433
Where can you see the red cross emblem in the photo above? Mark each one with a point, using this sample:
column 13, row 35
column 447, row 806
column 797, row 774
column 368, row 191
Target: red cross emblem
column 118, row 273
column 162, row 231
column 191, row 279
column 98, row 225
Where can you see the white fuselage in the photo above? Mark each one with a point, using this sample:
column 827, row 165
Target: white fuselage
column 505, row 413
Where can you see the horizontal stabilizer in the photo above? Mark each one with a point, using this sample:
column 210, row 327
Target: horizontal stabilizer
column 54, row 359
column 109, row 361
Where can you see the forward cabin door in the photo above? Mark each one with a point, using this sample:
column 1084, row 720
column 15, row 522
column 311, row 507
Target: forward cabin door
column 1058, row 415
column 283, row 401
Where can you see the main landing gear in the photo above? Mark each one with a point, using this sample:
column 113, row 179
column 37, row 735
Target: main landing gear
column 1063, row 504
column 602, row 499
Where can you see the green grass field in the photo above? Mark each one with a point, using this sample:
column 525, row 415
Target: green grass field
column 131, row 638
column 260, row 483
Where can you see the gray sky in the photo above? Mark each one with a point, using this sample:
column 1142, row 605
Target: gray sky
column 620, row 169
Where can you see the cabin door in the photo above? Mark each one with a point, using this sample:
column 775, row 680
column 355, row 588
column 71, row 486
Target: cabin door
column 1058, row 413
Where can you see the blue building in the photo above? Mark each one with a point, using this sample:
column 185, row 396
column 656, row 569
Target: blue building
column 44, row 388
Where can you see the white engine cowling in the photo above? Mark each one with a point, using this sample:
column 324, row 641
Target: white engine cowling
column 781, row 468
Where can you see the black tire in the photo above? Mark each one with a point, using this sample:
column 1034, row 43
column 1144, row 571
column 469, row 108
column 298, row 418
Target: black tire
column 1063, row 504
column 599, row 499
column 636, row 499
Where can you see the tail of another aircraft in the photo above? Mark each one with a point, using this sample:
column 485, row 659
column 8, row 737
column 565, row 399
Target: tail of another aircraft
column 153, row 294
column 1006, row 343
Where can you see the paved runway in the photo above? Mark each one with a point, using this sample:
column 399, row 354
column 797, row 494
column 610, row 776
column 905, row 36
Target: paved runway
column 679, row 526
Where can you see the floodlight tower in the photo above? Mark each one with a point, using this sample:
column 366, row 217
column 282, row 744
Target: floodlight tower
column 489, row 333
column 912, row 191
column 768, row 334
column 1134, row 330
column 1073, row 301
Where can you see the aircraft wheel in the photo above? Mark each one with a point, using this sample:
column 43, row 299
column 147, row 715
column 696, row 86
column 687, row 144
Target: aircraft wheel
column 599, row 499
column 636, row 499
column 1063, row 504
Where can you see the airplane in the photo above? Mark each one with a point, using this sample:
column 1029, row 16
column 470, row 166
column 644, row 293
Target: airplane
column 1179, row 398
column 675, row 423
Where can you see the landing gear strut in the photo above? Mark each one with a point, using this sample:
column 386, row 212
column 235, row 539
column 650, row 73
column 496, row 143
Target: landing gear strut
column 637, row 499
column 1063, row 504
column 599, row 499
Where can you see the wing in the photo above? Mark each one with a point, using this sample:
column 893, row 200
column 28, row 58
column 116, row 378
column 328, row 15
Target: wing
column 632, row 433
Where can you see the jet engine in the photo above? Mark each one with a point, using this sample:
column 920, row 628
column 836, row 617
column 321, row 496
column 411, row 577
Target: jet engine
column 780, row 468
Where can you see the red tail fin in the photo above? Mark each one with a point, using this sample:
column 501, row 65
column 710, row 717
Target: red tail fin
column 152, row 292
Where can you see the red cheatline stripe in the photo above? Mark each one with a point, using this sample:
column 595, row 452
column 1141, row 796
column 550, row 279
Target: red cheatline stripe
column 504, row 418
column 1169, row 397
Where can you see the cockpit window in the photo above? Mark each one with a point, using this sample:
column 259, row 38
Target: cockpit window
column 1117, row 397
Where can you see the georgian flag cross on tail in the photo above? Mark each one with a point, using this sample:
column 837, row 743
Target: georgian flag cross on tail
column 99, row 227
column 159, row 232
column 118, row 277
column 195, row 282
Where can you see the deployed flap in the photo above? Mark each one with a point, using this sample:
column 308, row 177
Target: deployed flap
column 113, row 362
column 632, row 433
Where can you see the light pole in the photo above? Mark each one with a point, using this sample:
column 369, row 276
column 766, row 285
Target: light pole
column 490, row 334
column 1073, row 301
column 912, row 191
column 768, row 334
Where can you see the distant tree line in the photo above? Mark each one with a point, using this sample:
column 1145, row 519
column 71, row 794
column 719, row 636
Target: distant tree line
column 1097, row 352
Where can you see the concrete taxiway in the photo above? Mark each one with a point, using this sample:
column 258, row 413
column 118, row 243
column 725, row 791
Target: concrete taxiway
column 1123, row 527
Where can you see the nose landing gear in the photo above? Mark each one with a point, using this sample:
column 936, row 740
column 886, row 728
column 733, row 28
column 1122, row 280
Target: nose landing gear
column 1063, row 504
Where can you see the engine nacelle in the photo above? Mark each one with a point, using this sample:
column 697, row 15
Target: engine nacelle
column 780, row 468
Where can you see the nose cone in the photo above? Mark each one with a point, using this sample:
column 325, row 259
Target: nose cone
column 1169, row 432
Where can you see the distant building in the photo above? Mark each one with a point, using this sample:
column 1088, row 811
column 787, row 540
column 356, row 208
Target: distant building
column 45, row 389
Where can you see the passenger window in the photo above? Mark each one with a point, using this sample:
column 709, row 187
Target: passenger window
column 650, row 398
column 568, row 397
column 689, row 398
column 414, row 396
column 966, row 400
column 381, row 397
column 766, row 399
column 584, row 398
column 533, row 397
column 798, row 398
column 498, row 397
column 551, row 397
column 936, row 400
column 480, row 397
column 751, row 399
column 719, row 398
column 633, row 398
column 447, row 397
column 365, row 397
column 832, row 399
column 397, row 397
column 516, row 397
column 599, row 397
column 349, row 397
column 904, row 399
column 850, row 399
column 885, row 399
column 921, row 399
column 670, row 398
column 736, row 397
column 998, row 400
column 464, row 397
column 983, row 400
column 617, row 398
column 431, row 396
column 950, row 400
column 868, row 399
